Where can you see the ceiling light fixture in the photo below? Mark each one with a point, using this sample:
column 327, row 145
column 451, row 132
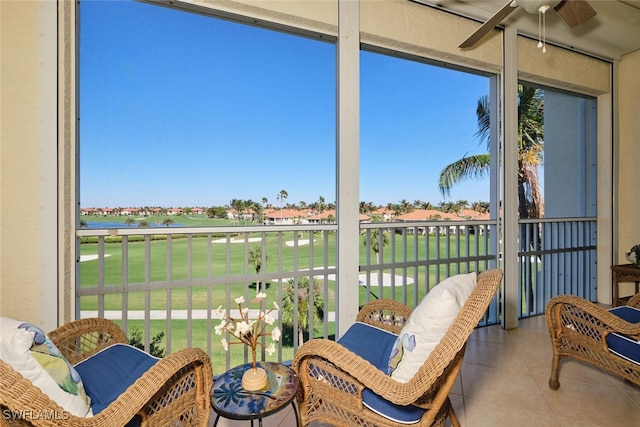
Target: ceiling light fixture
column 541, row 8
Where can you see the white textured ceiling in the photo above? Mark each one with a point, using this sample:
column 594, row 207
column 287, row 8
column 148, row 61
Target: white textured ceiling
column 614, row 32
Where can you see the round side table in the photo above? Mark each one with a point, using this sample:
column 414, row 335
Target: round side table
column 230, row 400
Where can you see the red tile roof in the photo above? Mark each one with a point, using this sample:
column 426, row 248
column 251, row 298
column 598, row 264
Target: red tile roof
column 427, row 215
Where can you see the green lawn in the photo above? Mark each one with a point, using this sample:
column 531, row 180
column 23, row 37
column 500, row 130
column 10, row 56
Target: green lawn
column 229, row 260
column 199, row 340
column 183, row 220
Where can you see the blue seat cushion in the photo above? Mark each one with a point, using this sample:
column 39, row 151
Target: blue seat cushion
column 375, row 345
column 108, row 373
column 621, row 345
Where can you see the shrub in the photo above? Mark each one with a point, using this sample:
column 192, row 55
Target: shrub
column 154, row 346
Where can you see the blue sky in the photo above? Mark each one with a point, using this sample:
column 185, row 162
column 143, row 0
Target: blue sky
column 179, row 109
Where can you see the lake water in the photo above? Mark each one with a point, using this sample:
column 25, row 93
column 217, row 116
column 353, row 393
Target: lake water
column 99, row 224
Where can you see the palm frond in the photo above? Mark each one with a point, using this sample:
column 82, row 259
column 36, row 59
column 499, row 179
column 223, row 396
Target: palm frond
column 475, row 166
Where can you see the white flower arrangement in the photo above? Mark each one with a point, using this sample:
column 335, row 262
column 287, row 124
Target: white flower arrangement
column 246, row 330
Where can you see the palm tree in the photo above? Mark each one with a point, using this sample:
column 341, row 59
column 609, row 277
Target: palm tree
column 377, row 237
column 167, row 222
column 448, row 207
column 258, row 215
column 530, row 149
column 366, row 207
column 321, row 205
column 282, row 196
column 477, row 206
column 255, row 259
column 463, row 204
column 405, row 206
column 530, row 142
column 378, row 240
column 302, row 296
column 238, row 207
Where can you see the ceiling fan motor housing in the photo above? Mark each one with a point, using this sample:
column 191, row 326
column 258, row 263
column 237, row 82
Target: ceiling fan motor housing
column 533, row 6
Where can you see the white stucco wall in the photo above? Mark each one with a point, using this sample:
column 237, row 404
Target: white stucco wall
column 628, row 154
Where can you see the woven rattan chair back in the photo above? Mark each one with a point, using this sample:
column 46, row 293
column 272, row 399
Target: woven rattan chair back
column 333, row 378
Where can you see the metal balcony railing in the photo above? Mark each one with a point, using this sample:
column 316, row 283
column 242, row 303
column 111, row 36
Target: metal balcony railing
column 170, row 281
column 557, row 256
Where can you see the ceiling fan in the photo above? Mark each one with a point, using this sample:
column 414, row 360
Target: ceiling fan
column 572, row 12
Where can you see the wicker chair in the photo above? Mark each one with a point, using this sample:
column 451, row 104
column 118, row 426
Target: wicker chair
column 333, row 378
column 175, row 391
column 579, row 328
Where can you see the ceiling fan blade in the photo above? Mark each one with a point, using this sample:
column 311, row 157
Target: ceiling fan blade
column 575, row 12
column 488, row 25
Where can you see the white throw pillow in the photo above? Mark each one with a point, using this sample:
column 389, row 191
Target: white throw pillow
column 31, row 353
column 428, row 323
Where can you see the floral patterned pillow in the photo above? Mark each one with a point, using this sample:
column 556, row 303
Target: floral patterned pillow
column 28, row 350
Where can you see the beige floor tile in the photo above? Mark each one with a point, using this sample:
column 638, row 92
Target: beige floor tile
column 571, row 369
column 481, row 413
column 458, row 407
column 489, row 333
column 503, row 355
column 573, row 423
column 283, row 418
column 599, row 404
column 537, row 356
column 457, row 386
column 514, row 389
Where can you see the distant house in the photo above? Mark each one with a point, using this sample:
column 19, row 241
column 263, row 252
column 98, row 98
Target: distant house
column 430, row 215
column 129, row 211
column 90, row 211
column 330, row 216
column 385, row 213
column 427, row 215
column 247, row 215
column 285, row 217
column 475, row 215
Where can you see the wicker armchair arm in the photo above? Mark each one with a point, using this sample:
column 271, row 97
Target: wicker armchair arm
column 80, row 339
column 19, row 398
column 634, row 301
column 386, row 314
column 346, row 367
column 585, row 321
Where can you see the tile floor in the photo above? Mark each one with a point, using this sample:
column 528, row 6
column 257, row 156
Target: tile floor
column 504, row 382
